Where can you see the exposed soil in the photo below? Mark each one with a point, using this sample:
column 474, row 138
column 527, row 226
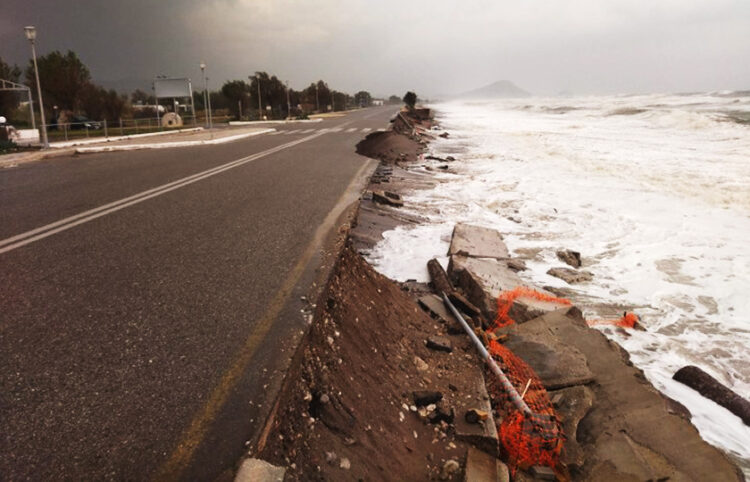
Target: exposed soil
column 350, row 393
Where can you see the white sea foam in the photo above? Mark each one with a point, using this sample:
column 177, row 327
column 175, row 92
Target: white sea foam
column 654, row 191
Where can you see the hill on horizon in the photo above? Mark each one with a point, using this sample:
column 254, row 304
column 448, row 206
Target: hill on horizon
column 496, row 90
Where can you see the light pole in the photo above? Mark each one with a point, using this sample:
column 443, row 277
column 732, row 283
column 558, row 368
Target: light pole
column 317, row 99
column 206, row 97
column 31, row 35
column 288, row 104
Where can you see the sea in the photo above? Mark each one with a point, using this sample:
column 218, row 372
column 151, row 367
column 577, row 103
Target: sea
column 653, row 191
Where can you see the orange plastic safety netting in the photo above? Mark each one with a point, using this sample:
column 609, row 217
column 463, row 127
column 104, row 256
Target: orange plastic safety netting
column 507, row 298
column 527, row 439
column 628, row 320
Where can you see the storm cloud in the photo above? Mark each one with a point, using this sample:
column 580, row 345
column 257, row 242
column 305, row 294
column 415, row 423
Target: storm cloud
column 434, row 47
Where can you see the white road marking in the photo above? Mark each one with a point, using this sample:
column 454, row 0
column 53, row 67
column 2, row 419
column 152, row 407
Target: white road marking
column 335, row 129
column 382, row 129
column 367, row 129
column 292, row 131
column 275, row 133
column 42, row 232
column 307, row 131
column 351, row 129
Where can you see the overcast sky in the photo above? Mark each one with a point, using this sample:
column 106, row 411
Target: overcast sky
column 431, row 46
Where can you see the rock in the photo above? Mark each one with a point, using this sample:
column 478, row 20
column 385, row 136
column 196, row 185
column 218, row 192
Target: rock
column 442, row 414
column 256, row 470
column 542, row 472
column 392, row 195
column 331, row 457
column 421, row 365
column 423, row 398
column 573, row 258
column 450, row 158
column 474, row 415
column 712, row 389
column 570, row 275
column 557, row 365
column 516, row 265
column 380, row 197
column 481, row 467
column 444, row 167
column 345, row 464
column 439, row 343
column 440, row 281
column 449, row 468
column 571, row 405
column 628, row 433
column 444, row 135
column 477, row 242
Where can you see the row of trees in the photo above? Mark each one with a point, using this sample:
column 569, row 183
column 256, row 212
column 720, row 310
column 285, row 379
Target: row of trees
column 67, row 87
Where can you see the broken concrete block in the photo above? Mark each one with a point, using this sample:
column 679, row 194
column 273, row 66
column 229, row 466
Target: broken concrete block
column 570, row 276
column 477, row 242
column 482, row 435
column 482, row 280
column 556, row 364
column 382, row 198
column 439, row 278
column 571, row 405
column 481, row 467
column 256, row 470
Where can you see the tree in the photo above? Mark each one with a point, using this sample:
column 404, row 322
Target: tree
column 63, row 78
column 9, row 99
column 236, row 91
column 272, row 92
column 141, row 97
column 394, row 99
column 363, row 98
column 410, row 99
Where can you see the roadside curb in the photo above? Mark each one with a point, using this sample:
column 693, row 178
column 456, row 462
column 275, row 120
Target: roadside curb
column 102, row 140
column 166, row 145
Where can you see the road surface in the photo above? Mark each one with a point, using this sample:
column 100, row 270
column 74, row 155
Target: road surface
column 150, row 300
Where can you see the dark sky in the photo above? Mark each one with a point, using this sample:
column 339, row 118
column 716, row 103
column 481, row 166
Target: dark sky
column 433, row 47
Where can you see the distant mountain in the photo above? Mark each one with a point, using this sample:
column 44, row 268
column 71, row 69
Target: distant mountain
column 500, row 89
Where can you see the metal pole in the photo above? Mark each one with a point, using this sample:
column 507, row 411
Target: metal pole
column 45, row 142
column 317, row 99
column 507, row 386
column 205, row 95
column 239, row 109
column 260, row 104
column 105, row 128
column 192, row 101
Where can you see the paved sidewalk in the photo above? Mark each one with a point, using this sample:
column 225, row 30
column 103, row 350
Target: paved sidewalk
column 182, row 138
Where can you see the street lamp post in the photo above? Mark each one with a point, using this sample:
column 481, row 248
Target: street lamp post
column 317, row 99
column 31, row 36
column 206, row 97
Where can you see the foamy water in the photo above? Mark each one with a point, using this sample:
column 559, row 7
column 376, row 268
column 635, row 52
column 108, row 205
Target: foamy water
column 653, row 190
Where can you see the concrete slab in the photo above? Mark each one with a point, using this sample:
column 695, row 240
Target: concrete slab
column 482, row 467
column 477, row 242
column 482, row 435
column 574, row 403
column 631, row 431
column 483, row 279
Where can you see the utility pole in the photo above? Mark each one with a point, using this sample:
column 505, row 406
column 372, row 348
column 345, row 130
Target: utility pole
column 31, row 36
column 206, row 97
column 317, row 98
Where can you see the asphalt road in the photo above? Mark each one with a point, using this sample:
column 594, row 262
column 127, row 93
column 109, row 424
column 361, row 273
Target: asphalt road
column 150, row 300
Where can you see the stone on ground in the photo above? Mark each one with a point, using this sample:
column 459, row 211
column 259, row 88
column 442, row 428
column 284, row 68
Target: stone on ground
column 477, row 242
column 256, row 470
